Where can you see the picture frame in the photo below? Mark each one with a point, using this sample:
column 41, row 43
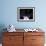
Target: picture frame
column 26, row 14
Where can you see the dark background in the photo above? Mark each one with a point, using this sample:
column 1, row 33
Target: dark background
column 26, row 12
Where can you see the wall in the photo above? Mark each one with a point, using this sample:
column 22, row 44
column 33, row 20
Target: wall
column 9, row 13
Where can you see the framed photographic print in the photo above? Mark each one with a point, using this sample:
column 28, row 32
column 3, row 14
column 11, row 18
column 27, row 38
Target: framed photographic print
column 26, row 14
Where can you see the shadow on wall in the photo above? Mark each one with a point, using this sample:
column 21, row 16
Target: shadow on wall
column 2, row 26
